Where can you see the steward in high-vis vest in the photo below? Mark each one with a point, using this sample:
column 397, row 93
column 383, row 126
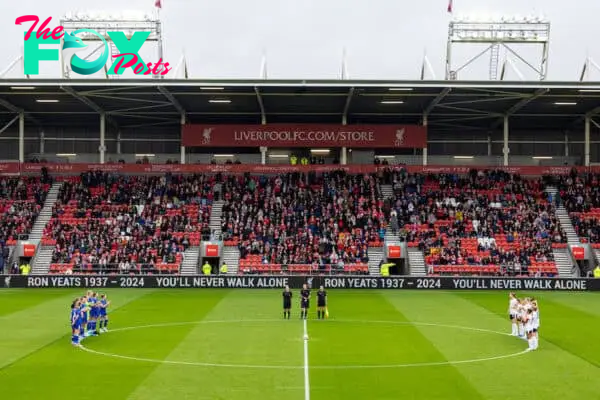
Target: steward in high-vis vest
column 206, row 268
column 223, row 269
column 385, row 269
column 597, row 272
column 304, row 161
column 293, row 159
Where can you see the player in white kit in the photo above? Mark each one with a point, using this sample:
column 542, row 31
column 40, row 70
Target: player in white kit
column 529, row 323
column 513, row 313
column 536, row 324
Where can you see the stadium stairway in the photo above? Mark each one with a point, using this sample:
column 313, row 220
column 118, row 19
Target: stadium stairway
column 375, row 256
column 42, row 260
column 387, row 191
column 563, row 217
column 391, row 237
column 564, row 263
column 45, row 213
column 416, row 262
column 215, row 217
column 191, row 257
column 231, row 257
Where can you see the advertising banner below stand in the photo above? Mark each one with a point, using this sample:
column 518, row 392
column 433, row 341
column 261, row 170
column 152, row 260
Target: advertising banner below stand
column 266, row 169
column 296, row 282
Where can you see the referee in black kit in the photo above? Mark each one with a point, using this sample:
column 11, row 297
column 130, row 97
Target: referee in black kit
column 321, row 303
column 287, row 302
column 304, row 301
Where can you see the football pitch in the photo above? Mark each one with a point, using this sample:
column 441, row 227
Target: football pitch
column 234, row 344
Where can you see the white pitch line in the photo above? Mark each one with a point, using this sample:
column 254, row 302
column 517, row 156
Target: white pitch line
column 306, row 377
column 305, row 366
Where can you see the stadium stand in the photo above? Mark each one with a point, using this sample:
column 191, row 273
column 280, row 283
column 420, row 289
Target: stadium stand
column 580, row 195
column 487, row 223
column 303, row 223
column 21, row 200
column 127, row 224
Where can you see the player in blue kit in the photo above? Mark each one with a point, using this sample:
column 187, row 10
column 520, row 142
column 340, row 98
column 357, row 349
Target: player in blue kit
column 84, row 310
column 75, row 322
column 94, row 310
column 84, row 315
column 103, row 314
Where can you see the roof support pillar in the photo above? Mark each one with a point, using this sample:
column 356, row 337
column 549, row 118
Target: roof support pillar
column 586, row 148
column 42, row 141
column 263, row 154
column 425, row 148
column 21, row 137
column 263, row 121
column 119, row 142
column 344, row 156
column 102, row 147
column 182, row 148
column 344, row 150
column 505, row 148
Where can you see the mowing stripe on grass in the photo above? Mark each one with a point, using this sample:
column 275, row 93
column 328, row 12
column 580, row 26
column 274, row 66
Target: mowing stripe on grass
column 31, row 329
column 16, row 300
column 545, row 375
column 360, row 343
column 245, row 342
column 80, row 371
column 566, row 327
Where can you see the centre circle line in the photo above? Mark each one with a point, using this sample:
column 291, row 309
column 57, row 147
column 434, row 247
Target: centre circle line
column 293, row 367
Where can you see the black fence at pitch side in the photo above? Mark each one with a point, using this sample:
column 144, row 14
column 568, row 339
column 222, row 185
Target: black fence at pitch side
column 296, row 282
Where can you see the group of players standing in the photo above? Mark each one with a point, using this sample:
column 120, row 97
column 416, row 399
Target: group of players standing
column 88, row 316
column 525, row 319
column 322, row 311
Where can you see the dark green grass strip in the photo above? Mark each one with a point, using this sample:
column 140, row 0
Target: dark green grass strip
column 12, row 301
column 342, row 343
column 568, row 328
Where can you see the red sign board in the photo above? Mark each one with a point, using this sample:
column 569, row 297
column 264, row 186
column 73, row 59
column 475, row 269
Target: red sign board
column 28, row 250
column 212, row 250
column 11, row 168
column 305, row 135
column 77, row 168
column 394, row 252
column 578, row 252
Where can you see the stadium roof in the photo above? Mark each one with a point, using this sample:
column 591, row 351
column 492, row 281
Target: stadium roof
column 450, row 105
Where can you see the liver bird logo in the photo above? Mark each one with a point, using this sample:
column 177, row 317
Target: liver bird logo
column 400, row 137
column 207, row 135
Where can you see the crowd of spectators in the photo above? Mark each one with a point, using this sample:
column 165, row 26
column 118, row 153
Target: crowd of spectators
column 303, row 218
column 128, row 223
column 512, row 215
column 21, row 200
column 580, row 194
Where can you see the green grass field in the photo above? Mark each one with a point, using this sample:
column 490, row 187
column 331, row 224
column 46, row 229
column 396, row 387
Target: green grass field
column 233, row 344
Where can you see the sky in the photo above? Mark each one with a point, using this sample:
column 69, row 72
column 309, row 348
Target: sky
column 305, row 39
